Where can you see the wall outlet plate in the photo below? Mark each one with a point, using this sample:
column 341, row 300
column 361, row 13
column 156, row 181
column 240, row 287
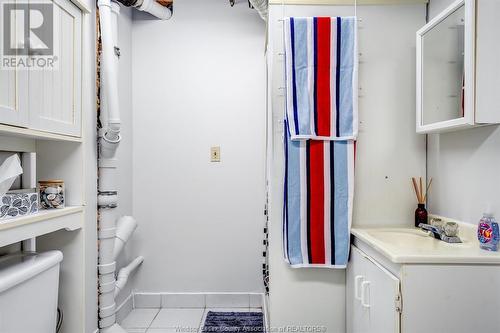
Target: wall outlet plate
column 215, row 154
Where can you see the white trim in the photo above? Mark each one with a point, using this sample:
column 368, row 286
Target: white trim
column 204, row 294
column 82, row 5
column 123, row 307
column 20, row 132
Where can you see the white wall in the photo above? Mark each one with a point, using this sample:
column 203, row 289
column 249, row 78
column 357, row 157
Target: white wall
column 389, row 153
column 464, row 166
column 198, row 81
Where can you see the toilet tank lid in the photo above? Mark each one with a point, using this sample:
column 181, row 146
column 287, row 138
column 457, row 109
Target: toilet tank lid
column 19, row 267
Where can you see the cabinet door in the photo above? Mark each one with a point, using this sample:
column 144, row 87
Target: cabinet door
column 371, row 296
column 357, row 315
column 380, row 295
column 54, row 95
column 10, row 113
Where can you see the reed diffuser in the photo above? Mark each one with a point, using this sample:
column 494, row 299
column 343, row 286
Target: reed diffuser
column 420, row 212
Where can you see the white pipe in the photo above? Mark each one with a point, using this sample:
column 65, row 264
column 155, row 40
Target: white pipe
column 109, row 141
column 261, row 6
column 126, row 225
column 124, row 273
column 111, row 133
column 155, row 9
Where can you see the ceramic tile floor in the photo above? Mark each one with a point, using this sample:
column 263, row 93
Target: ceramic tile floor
column 171, row 320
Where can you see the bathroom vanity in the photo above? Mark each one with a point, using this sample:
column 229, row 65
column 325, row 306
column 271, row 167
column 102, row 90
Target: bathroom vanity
column 403, row 280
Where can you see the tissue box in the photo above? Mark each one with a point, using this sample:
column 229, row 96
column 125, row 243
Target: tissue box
column 18, row 204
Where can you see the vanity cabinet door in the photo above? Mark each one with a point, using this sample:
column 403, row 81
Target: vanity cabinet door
column 357, row 315
column 54, row 96
column 381, row 294
column 372, row 296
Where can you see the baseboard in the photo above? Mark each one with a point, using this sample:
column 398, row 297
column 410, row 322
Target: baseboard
column 198, row 300
column 125, row 308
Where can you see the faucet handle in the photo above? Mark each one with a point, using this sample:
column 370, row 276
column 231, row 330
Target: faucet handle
column 435, row 231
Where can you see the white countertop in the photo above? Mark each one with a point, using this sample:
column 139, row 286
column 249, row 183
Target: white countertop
column 411, row 245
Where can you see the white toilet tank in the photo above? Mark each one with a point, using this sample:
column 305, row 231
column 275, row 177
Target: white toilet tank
column 29, row 284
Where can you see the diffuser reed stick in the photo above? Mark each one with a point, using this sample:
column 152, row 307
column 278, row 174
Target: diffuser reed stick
column 418, row 187
column 415, row 187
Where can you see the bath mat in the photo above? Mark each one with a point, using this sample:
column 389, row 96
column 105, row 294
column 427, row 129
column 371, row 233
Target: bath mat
column 220, row 322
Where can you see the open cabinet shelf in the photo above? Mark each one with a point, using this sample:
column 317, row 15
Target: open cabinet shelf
column 46, row 221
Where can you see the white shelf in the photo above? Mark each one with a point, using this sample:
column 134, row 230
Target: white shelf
column 35, row 134
column 46, row 221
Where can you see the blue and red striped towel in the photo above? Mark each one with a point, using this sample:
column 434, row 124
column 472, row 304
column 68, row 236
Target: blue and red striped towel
column 321, row 71
column 318, row 193
column 321, row 128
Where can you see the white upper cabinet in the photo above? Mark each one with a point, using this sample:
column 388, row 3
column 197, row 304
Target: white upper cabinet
column 457, row 70
column 9, row 105
column 48, row 98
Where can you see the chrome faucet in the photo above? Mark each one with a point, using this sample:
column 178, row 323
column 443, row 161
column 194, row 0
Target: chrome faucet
column 439, row 233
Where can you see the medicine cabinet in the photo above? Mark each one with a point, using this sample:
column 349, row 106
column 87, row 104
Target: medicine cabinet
column 458, row 80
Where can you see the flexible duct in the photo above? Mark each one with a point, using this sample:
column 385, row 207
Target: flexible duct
column 125, row 272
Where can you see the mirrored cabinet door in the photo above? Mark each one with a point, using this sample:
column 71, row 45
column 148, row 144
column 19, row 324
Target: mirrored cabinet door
column 458, row 72
column 445, row 70
column 443, row 73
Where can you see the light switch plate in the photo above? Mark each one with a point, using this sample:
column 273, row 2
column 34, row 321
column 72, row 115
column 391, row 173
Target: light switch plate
column 215, row 154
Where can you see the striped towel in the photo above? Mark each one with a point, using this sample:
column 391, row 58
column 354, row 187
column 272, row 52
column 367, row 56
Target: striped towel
column 318, row 195
column 321, row 71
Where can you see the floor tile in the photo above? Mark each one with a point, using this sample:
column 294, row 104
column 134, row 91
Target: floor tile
column 185, row 319
column 139, row 318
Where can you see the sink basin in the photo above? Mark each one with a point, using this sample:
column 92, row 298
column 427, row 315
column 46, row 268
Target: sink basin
column 412, row 245
column 402, row 237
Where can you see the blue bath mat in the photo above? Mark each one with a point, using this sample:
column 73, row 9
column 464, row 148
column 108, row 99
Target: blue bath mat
column 220, row 322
